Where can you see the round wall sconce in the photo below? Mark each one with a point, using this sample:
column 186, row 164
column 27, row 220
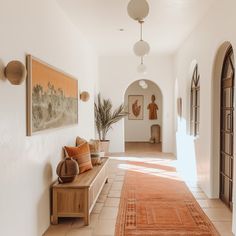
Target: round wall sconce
column 15, row 72
column 84, row 96
column 138, row 9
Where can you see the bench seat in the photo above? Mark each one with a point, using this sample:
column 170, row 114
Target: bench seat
column 78, row 198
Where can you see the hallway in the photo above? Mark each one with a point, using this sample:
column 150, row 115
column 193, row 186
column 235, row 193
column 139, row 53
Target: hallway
column 104, row 214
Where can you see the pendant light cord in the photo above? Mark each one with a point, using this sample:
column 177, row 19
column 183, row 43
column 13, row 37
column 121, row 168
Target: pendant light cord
column 141, row 29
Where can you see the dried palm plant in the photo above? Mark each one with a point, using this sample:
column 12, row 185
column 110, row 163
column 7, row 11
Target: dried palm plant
column 105, row 118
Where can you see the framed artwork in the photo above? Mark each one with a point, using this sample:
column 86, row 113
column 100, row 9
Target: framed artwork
column 52, row 97
column 135, row 105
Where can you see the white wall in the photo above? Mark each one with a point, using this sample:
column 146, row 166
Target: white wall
column 140, row 130
column 202, row 45
column 28, row 163
column 117, row 72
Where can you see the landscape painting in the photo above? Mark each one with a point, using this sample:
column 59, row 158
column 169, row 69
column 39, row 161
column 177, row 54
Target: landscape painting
column 52, row 97
column 135, row 104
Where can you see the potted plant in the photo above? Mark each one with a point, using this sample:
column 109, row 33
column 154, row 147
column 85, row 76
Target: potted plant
column 105, row 118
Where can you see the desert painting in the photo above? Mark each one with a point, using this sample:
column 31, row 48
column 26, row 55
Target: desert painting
column 52, row 97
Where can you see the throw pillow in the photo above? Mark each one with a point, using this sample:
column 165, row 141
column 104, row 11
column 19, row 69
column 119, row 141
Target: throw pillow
column 82, row 155
column 80, row 141
column 94, row 146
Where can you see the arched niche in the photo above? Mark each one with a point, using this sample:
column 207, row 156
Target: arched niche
column 139, row 130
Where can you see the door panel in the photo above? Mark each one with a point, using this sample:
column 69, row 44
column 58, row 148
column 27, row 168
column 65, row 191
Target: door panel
column 227, row 135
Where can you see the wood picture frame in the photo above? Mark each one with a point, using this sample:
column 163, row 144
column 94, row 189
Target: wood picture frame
column 136, row 107
column 52, row 97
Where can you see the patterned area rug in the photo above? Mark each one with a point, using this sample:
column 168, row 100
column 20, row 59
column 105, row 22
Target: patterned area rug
column 155, row 201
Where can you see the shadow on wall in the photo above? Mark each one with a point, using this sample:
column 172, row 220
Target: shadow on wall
column 45, row 200
column 2, row 67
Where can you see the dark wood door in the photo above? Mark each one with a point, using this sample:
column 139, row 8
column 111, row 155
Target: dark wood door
column 227, row 127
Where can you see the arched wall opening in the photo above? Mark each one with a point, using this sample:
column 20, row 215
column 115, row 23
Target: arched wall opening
column 137, row 127
column 216, row 118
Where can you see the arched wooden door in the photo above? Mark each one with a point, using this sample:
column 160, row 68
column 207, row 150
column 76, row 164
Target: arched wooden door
column 227, row 129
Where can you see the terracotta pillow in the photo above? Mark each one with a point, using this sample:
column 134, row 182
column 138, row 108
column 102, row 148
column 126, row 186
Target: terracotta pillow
column 82, row 155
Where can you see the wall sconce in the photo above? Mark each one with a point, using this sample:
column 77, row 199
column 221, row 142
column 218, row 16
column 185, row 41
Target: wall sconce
column 15, row 72
column 84, row 96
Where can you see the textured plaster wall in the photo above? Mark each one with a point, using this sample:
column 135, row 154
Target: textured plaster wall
column 28, row 163
column 206, row 46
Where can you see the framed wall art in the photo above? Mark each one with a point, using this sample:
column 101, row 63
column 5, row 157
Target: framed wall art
column 135, row 105
column 52, row 97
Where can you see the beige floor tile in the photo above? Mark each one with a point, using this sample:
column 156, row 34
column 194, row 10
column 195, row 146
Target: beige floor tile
column 116, row 186
column 120, row 173
column 57, row 230
column 114, row 194
column 224, row 228
column 104, row 228
column 218, row 214
column 119, row 178
column 211, row 203
column 111, row 175
column 102, row 198
column 112, row 202
column 80, row 232
column 110, row 180
column 195, row 189
column 106, row 188
column 200, row 195
column 108, row 213
column 97, row 208
column 79, row 222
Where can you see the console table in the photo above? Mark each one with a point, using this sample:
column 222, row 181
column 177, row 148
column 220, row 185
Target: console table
column 78, row 198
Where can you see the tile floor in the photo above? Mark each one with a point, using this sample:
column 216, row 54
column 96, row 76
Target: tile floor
column 103, row 217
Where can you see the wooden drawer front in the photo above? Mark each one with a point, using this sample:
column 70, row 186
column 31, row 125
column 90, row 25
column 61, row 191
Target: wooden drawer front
column 70, row 201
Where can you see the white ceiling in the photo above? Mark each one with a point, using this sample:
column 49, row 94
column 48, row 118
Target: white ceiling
column 168, row 24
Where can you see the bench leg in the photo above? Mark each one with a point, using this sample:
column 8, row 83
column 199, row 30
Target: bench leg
column 54, row 220
column 87, row 219
column 106, row 181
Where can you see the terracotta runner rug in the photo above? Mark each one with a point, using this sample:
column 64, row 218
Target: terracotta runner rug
column 154, row 201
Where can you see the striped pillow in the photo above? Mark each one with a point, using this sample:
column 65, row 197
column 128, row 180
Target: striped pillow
column 82, row 155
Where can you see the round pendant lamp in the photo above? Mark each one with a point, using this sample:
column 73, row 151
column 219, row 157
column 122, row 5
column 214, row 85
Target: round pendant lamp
column 138, row 9
column 141, row 48
column 142, row 69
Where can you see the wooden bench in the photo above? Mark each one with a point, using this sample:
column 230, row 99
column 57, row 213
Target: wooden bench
column 78, row 198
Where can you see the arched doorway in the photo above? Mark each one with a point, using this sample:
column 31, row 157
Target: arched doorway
column 223, row 127
column 227, row 128
column 143, row 126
